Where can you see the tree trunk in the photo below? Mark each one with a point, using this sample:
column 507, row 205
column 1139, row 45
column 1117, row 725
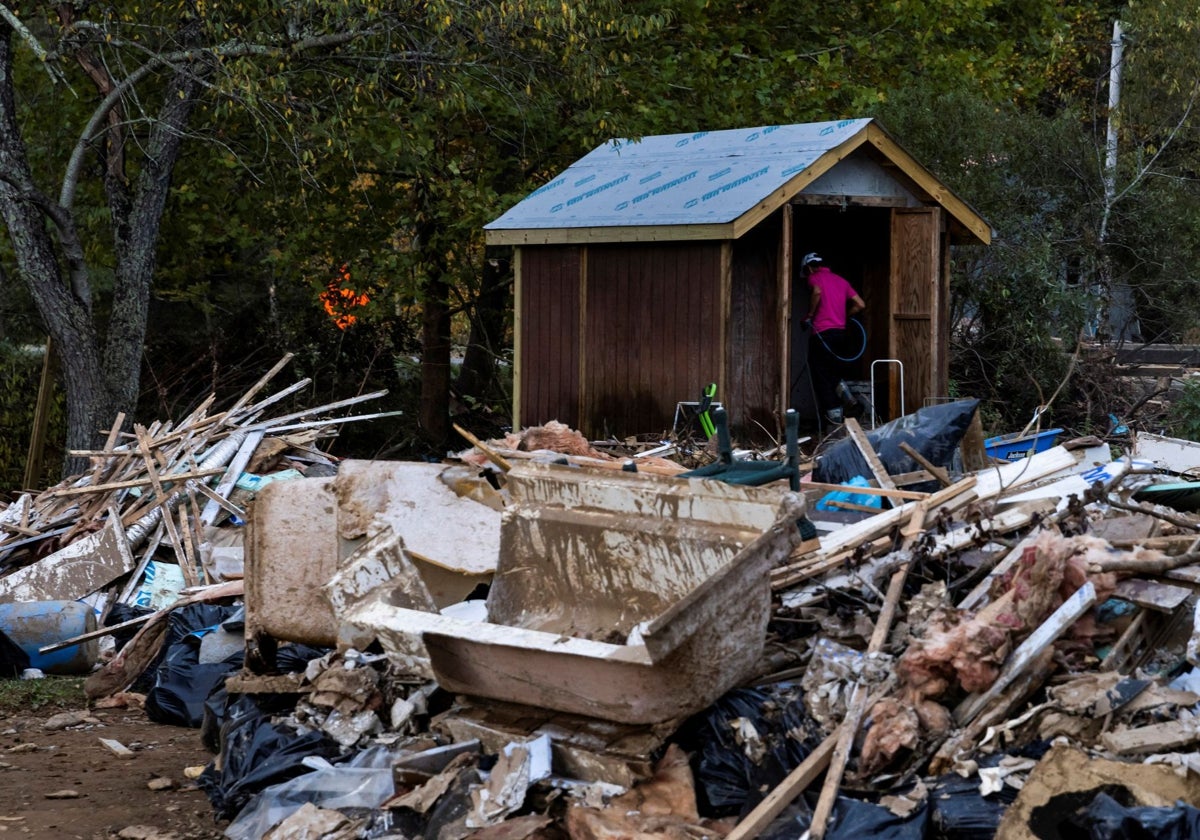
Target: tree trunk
column 99, row 383
column 478, row 375
column 435, row 360
column 137, row 250
column 67, row 318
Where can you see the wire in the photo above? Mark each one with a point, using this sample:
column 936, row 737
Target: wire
column 862, row 349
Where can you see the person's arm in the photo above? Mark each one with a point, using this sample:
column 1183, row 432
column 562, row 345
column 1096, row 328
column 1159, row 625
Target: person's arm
column 855, row 305
column 814, row 301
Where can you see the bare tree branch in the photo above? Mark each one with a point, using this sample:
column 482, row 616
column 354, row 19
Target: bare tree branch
column 48, row 59
column 174, row 60
column 68, row 236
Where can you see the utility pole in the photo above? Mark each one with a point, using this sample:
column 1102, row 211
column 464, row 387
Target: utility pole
column 1118, row 314
column 1114, row 100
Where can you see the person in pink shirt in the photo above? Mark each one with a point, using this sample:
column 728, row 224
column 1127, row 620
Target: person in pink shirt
column 832, row 300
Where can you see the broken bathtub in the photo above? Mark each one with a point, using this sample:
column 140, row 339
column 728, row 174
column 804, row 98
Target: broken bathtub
column 619, row 596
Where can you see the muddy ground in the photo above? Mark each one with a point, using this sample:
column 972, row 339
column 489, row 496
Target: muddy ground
column 103, row 796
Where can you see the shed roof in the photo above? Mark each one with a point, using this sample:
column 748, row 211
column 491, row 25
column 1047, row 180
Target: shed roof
column 706, row 185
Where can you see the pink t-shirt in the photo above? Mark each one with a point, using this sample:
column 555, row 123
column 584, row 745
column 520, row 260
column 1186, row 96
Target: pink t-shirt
column 836, row 291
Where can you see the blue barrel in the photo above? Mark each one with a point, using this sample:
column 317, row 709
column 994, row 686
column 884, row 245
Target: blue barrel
column 36, row 624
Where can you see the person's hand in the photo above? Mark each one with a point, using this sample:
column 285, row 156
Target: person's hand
column 806, row 324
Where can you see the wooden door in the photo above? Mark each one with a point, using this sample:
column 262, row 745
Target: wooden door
column 917, row 335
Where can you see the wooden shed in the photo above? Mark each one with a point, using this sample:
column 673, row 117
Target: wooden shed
column 648, row 269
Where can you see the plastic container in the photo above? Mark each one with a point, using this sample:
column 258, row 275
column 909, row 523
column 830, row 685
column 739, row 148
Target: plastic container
column 1014, row 448
column 32, row 625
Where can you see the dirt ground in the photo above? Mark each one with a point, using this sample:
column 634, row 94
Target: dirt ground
column 104, row 796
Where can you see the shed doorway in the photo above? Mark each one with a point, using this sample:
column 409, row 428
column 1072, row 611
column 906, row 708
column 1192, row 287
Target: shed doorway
column 855, row 243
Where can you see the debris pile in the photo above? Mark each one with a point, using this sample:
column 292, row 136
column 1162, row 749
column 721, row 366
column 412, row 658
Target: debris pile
column 155, row 524
column 538, row 639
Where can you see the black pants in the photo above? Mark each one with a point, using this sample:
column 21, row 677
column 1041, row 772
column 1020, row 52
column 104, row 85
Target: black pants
column 825, row 367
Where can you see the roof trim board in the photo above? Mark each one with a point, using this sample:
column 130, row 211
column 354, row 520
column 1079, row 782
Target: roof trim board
column 925, row 179
column 631, row 233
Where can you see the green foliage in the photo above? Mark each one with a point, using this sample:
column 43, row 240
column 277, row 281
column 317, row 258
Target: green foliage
column 387, row 148
column 1183, row 419
column 722, row 64
column 1010, row 300
column 1153, row 230
column 20, row 375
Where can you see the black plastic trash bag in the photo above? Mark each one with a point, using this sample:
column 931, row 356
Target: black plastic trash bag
column 728, row 781
column 852, row 819
column 257, row 754
column 220, row 707
column 181, row 682
column 960, row 812
column 13, row 658
column 180, row 623
column 934, row 431
column 196, row 618
column 855, row 820
column 121, row 613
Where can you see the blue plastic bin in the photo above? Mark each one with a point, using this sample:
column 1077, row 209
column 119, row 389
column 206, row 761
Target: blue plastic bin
column 32, row 625
column 1014, row 447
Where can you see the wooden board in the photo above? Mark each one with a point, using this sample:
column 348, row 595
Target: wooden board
column 652, row 333
column 1152, row 595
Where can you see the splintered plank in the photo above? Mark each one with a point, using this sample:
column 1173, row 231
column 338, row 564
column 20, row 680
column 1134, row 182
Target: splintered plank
column 864, row 446
column 785, row 793
column 933, row 469
column 84, row 566
column 1027, row 652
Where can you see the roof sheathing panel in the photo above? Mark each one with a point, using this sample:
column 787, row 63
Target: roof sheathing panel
column 707, row 178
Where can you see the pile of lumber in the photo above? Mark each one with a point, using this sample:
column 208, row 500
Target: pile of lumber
column 165, row 493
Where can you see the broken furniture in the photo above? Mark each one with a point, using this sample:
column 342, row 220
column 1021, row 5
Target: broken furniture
column 618, row 596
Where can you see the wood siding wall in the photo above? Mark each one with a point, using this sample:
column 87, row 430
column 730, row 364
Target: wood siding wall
column 652, row 327
column 548, row 364
column 754, row 365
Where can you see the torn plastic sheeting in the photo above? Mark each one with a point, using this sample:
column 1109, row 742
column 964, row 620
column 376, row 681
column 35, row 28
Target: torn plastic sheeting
column 364, row 781
column 1107, row 819
column 934, row 431
column 160, row 586
column 257, row 754
column 253, row 483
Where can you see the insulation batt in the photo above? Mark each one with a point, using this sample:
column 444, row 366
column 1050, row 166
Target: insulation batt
column 964, row 651
column 558, row 437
